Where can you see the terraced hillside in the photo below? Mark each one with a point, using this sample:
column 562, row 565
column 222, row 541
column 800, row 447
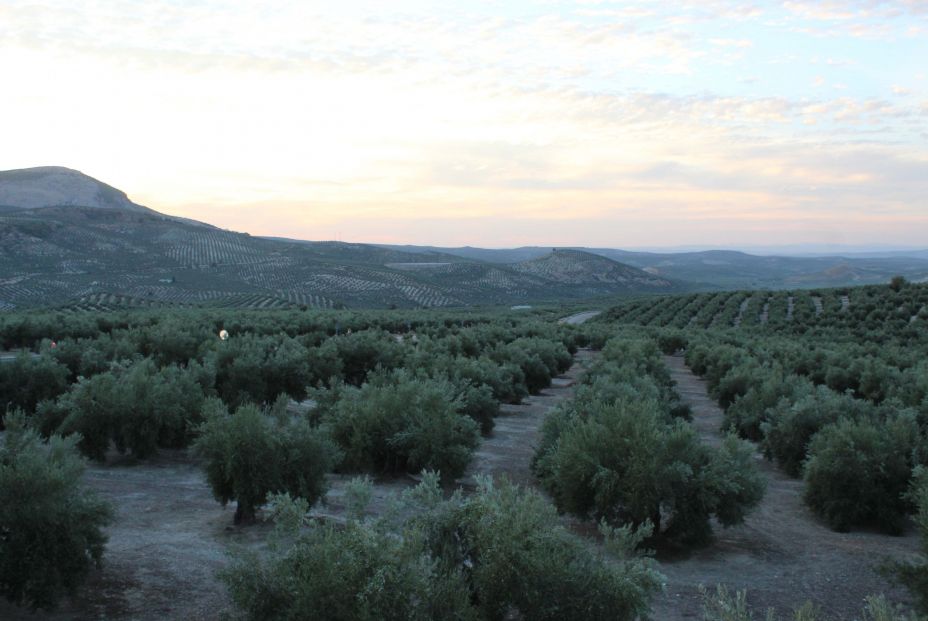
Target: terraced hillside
column 726, row 269
column 855, row 308
column 114, row 253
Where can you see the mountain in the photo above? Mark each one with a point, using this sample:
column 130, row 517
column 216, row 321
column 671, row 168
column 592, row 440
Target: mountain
column 729, row 269
column 576, row 266
column 55, row 186
column 69, row 240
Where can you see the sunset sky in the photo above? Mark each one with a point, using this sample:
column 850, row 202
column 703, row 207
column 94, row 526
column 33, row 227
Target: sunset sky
column 488, row 123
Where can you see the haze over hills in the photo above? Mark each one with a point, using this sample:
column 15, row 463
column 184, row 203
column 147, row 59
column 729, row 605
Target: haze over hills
column 66, row 238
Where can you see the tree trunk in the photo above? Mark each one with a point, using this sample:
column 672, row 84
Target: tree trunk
column 244, row 514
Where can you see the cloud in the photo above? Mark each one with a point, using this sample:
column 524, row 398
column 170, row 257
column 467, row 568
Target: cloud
column 280, row 116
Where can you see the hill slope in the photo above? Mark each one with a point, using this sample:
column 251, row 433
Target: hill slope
column 66, row 238
column 727, row 269
column 54, row 186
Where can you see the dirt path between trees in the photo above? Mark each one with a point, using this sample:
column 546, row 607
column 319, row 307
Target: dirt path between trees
column 579, row 317
column 510, row 449
column 783, row 555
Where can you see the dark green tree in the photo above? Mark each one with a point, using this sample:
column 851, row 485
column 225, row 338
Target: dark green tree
column 51, row 527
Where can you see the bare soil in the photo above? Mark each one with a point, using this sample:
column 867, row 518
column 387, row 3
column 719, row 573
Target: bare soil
column 783, row 555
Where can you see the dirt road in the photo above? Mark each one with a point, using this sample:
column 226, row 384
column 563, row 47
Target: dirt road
column 579, row 317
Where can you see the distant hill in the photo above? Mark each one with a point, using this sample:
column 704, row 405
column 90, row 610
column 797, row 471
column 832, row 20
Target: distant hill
column 728, row 269
column 589, row 269
column 55, row 186
column 69, row 240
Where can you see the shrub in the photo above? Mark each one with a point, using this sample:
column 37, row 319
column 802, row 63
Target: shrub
column 28, row 380
column 396, row 423
column 722, row 605
column 791, row 425
column 747, row 415
column 250, row 454
column 517, row 556
column 339, row 573
column 897, row 283
column 363, row 352
column 478, row 403
column 858, row 471
column 500, row 553
column 914, row 576
column 626, row 462
column 137, row 407
column 50, row 526
column 671, row 342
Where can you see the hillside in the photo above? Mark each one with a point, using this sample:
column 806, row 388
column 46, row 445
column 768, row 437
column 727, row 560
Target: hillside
column 54, row 186
column 67, row 239
column 727, row 269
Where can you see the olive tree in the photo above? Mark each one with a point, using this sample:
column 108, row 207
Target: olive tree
column 51, row 528
column 252, row 453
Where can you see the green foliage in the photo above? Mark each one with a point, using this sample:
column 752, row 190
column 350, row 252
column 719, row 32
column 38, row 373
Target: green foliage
column 498, row 553
column 722, row 605
column 363, row 352
column 748, row 413
column 896, row 283
column 250, row 454
column 28, row 380
column 672, row 342
column 858, row 471
column 626, row 462
column 397, row 423
column 50, row 526
column 617, row 452
column 136, row 407
column 914, row 576
column 478, row 403
column 792, row 424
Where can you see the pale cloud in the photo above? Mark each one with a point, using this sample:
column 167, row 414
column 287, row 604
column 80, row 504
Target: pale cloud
column 595, row 122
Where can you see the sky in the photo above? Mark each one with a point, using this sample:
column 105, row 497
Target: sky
column 486, row 122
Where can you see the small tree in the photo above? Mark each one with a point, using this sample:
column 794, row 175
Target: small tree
column 858, row 471
column 626, row 462
column 251, row 454
column 897, row 283
column 915, row 575
column 497, row 554
column 50, row 527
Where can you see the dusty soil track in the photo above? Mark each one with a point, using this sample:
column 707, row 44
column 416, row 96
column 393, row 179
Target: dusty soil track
column 783, row 555
column 509, row 451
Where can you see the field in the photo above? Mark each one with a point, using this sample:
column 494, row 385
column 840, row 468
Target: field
column 716, row 425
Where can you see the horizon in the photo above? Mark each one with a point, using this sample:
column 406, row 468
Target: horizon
column 720, row 124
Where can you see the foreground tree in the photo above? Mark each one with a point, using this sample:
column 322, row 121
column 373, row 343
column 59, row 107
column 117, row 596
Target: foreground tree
column 253, row 453
column 914, row 576
column 50, row 527
column 627, row 461
column 500, row 553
